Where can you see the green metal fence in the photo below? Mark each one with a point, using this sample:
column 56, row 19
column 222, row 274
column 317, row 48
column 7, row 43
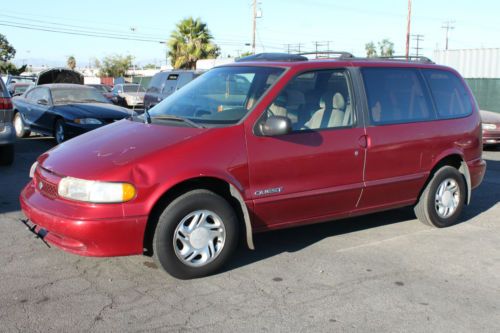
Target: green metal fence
column 487, row 93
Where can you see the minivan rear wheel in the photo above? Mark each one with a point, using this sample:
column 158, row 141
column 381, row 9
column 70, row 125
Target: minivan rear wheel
column 443, row 199
column 195, row 235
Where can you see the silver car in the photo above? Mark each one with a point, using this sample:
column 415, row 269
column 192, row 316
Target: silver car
column 7, row 133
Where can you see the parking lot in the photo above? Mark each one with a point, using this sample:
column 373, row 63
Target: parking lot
column 383, row 272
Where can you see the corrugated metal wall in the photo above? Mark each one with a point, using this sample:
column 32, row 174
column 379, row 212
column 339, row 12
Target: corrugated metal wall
column 481, row 70
column 473, row 63
column 487, row 93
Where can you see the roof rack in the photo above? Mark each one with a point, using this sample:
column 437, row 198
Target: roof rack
column 273, row 57
column 341, row 54
column 406, row 58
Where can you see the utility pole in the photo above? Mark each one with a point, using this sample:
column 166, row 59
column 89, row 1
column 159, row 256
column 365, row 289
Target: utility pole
column 254, row 25
column 408, row 30
column 418, row 38
column 447, row 26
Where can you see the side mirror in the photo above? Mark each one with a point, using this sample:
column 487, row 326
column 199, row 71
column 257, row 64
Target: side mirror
column 42, row 102
column 276, row 125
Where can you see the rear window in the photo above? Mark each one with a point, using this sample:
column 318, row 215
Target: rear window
column 396, row 95
column 450, row 96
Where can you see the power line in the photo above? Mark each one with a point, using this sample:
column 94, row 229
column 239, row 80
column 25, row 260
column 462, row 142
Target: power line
column 417, row 38
column 448, row 25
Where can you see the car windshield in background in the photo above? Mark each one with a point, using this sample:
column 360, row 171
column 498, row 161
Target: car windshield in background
column 100, row 87
column 131, row 88
column 221, row 96
column 19, row 89
column 76, row 95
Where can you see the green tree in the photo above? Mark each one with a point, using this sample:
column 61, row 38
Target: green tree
column 246, row 54
column 71, row 62
column 115, row 65
column 191, row 41
column 149, row 66
column 371, row 51
column 386, row 48
column 7, row 51
column 10, row 68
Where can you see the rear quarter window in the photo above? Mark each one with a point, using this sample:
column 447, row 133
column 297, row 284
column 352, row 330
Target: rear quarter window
column 396, row 95
column 449, row 93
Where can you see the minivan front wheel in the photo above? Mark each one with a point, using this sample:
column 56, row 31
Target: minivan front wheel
column 195, row 235
column 443, row 199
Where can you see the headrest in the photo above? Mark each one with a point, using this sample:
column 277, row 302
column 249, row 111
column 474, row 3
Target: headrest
column 338, row 101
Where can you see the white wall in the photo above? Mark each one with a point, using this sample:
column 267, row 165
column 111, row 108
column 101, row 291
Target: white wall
column 471, row 63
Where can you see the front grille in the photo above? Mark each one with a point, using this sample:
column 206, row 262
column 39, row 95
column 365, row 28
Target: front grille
column 45, row 187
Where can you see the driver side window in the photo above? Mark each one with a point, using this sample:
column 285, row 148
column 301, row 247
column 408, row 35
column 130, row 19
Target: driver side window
column 315, row 100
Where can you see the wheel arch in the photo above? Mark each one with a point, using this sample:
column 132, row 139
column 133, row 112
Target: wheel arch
column 456, row 160
column 221, row 187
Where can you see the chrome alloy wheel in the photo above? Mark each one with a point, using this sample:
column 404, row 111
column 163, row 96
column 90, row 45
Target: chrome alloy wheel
column 199, row 238
column 18, row 124
column 447, row 198
column 59, row 132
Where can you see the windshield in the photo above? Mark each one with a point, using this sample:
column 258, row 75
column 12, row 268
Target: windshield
column 76, row 95
column 131, row 88
column 221, row 96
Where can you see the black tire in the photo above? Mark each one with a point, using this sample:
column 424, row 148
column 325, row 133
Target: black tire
column 170, row 220
column 426, row 209
column 19, row 126
column 6, row 154
column 59, row 131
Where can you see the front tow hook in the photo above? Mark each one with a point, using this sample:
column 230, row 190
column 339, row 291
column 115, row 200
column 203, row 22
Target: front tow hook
column 40, row 234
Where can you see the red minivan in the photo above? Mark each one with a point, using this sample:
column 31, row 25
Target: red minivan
column 272, row 141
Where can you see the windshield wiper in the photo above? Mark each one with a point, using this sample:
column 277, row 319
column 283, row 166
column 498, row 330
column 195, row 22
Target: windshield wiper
column 177, row 118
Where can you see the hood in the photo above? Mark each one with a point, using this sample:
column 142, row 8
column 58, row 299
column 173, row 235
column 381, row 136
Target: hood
column 93, row 110
column 59, row 75
column 109, row 152
column 490, row 117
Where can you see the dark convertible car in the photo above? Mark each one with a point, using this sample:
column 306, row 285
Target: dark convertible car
column 63, row 111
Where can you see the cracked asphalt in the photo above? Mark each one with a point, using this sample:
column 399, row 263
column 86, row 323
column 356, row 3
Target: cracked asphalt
column 383, row 272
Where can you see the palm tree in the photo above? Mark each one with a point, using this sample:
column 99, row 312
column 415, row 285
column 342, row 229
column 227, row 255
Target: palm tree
column 71, row 62
column 190, row 42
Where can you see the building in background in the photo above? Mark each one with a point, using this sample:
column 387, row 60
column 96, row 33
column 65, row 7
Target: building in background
column 481, row 70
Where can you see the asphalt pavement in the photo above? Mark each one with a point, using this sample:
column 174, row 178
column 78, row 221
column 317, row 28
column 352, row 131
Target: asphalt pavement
column 384, row 272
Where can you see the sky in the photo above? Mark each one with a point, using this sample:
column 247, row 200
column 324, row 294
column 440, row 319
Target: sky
column 338, row 24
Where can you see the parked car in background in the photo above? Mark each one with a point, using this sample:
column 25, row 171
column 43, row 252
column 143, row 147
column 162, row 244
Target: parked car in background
column 17, row 89
column 166, row 83
column 128, row 95
column 272, row 141
column 63, row 111
column 491, row 127
column 104, row 89
column 19, row 81
column 7, row 134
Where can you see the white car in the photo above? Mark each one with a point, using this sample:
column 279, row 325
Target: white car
column 128, row 94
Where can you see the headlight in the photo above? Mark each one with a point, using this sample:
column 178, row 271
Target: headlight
column 95, row 191
column 88, row 121
column 489, row 127
column 33, row 169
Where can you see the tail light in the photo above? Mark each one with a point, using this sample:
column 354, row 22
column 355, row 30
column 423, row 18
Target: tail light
column 5, row 103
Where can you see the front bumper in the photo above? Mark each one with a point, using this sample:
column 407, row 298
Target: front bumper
column 76, row 228
column 7, row 134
